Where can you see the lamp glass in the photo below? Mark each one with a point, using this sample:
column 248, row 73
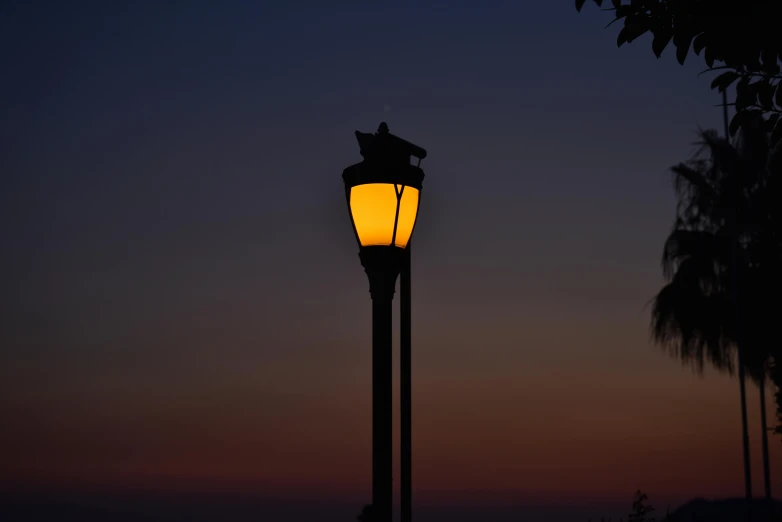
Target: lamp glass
column 376, row 207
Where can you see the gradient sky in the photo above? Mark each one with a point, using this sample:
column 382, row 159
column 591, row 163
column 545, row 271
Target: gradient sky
column 183, row 308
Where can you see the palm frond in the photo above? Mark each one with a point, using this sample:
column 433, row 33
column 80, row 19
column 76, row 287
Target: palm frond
column 722, row 155
column 686, row 324
column 723, row 258
column 699, row 255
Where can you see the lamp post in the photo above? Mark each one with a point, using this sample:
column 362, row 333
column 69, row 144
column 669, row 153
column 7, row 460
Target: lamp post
column 405, row 391
column 382, row 193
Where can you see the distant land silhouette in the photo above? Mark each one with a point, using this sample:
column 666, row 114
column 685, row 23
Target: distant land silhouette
column 168, row 507
column 165, row 507
column 725, row 510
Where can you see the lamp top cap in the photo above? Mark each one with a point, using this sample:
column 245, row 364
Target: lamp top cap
column 383, row 142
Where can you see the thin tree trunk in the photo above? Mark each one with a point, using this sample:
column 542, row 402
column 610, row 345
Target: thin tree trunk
column 764, row 428
column 745, row 437
column 740, row 346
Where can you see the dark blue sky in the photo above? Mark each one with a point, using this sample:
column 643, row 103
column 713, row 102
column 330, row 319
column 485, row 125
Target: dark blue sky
column 182, row 301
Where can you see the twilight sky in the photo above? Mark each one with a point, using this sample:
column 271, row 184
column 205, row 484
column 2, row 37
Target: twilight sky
column 183, row 309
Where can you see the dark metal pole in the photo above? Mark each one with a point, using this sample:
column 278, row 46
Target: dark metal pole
column 405, row 388
column 382, row 266
column 382, row 444
column 737, row 280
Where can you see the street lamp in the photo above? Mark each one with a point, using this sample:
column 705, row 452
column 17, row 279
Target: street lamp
column 383, row 193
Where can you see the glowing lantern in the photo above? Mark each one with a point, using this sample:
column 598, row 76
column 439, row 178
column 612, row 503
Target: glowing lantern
column 383, row 191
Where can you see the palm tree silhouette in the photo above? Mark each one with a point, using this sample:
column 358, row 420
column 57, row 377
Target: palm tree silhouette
column 760, row 166
column 717, row 261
